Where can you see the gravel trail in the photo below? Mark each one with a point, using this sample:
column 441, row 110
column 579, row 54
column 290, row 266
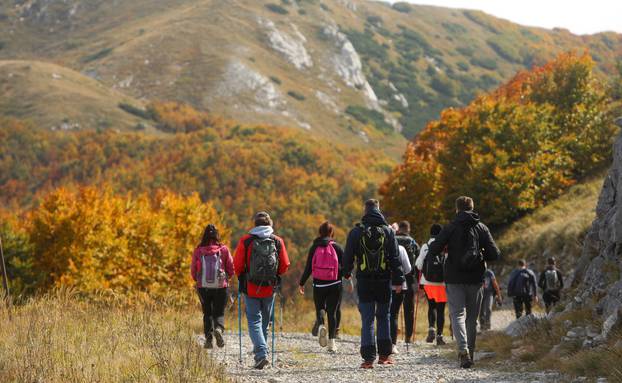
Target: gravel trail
column 299, row 358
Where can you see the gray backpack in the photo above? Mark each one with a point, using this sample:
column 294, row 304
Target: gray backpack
column 551, row 280
column 264, row 260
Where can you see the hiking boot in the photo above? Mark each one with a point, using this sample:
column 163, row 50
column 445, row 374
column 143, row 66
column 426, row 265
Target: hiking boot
column 315, row 329
column 440, row 341
column 332, row 347
column 394, row 350
column 431, row 335
column 465, row 359
column 260, row 364
column 220, row 340
column 208, row 343
column 408, row 340
column 385, row 360
column 337, row 334
column 367, row 365
column 323, row 338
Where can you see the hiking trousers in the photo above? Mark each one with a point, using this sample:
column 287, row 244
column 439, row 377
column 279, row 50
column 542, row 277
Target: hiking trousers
column 464, row 302
column 485, row 314
column 436, row 315
column 328, row 298
column 520, row 302
column 550, row 298
column 374, row 304
column 213, row 303
column 258, row 315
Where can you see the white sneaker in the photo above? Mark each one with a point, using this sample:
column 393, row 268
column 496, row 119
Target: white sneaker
column 332, row 347
column 394, row 350
column 323, row 336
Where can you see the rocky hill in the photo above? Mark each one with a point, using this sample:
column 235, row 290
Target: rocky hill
column 354, row 71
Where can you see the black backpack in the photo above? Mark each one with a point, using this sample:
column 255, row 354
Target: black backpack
column 520, row 285
column 410, row 246
column 264, row 260
column 472, row 259
column 372, row 258
column 434, row 267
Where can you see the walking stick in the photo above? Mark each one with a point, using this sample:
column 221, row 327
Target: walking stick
column 240, row 322
column 5, row 279
column 416, row 307
column 272, row 320
column 282, row 304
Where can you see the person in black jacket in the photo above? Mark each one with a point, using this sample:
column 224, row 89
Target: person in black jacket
column 412, row 248
column 469, row 244
column 551, row 282
column 326, row 292
column 373, row 246
column 522, row 288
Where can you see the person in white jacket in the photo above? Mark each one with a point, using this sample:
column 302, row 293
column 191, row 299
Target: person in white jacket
column 434, row 292
column 398, row 298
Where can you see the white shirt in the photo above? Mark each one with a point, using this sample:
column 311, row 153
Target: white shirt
column 419, row 264
column 405, row 265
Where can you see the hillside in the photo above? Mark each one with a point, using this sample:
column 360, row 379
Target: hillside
column 352, row 71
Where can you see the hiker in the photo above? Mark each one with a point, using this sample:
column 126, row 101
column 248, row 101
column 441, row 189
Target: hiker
column 398, row 298
column 551, row 282
column 432, row 267
column 492, row 293
column 522, row 289
column 372, row 245
column 324, row 262
column 212, row 268
column 412, row 248
column 260, row 260
column 469, row 244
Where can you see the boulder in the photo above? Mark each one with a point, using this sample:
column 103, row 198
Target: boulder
column 521, row 325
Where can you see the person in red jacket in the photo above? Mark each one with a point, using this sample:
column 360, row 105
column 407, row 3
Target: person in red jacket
column 260, row 259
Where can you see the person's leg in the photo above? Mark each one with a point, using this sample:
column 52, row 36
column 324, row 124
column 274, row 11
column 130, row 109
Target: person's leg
column 456, row 298
column 206, row 306
column 528, row 301
column 254, row 317
column 409, row 310
column 440, row 318
column 431, row 313
column 338, row 312
column 368, row 343
column 486, row 310
column 473, row 305
column 383, row 332
column 396, row 302
column 218, row 313
column 267, row 305
column 518, row 306
column 332, row 301
column 318, row 299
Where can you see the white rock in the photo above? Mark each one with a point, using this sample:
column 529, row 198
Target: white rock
column 291, row 47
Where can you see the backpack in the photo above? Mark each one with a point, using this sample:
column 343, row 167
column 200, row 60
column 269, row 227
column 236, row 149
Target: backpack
column 472, row 259
column 212, row 276
column 264, row 260
column 372, row 248
column 434, row 267
column 325, row 264
column 521, row 285
column 409, row 245
column 551, row 280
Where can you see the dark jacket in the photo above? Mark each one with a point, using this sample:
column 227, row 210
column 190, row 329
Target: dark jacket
column 542, row 280
column 309, row 266
column 515, row 284
column 410, row 241
column 453, row 236
column 353, row 251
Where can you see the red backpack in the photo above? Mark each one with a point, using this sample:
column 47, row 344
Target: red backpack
column 325, row 264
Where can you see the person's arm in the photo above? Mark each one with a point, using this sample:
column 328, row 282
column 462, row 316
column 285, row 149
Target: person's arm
column 406, row 266
column 283, row 258
column 561, row 279
column 421, row 258
column 541, row 280
column 348, row 255
column 491, row 251
column 229, row 269
column 307, row 271
column 339, row 251
column 239, row 259
column 511, row 282
column 393, row 257
column 495, row 285
column 535, row 287
column 441, row 240
column 194, row 265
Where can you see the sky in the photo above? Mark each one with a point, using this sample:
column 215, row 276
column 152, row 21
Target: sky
column 578, row 16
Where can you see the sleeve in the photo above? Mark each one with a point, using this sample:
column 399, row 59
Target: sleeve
column 404, row 259
column 541, row 280
column 339, row 251
column 283, row 258
column 348, row 255
column 561, row 279
column 421, row 258
column 491, row 251
column 534, row 284
column 393, row 257
column 307, row 271
column 194, row 265
column 441, row 240
column 229, row 269
column 239, row 259
column 416, row 247
column 511, row 284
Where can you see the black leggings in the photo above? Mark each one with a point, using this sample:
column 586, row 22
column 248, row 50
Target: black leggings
column 213, row 303
column 520, row 302
column 436, row 315
column 329, row 299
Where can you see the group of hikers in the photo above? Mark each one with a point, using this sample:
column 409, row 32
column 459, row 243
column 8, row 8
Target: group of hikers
column 389, row 267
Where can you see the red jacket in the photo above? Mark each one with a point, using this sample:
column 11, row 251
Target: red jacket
column 241, row 263
column 226, row 264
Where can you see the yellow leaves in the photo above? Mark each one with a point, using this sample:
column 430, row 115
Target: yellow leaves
column 93, row 240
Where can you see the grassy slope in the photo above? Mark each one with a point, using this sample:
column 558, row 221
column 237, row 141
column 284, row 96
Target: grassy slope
column 51, row 95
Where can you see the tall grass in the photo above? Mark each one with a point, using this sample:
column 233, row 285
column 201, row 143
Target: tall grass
column 59, row 337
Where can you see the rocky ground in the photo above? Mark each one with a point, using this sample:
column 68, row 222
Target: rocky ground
column 299, row 358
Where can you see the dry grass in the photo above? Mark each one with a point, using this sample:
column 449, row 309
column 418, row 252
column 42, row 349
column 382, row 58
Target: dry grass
column 61, row 338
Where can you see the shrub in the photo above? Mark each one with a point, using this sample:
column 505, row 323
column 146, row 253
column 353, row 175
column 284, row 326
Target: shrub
column 275, row 80
column 296, row 95
column 277, row 9
column 504, row 49
column 138, row 112
column 97, row 55
column 466, row 50
column 484, row 62
column 402, row 7
column 444, row 85
column 463, row 66
column 454, row 28
column 369, row 117
column 374, row 20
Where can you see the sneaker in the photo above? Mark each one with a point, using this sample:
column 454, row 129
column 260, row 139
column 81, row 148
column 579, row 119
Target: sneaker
column 316, row 327
column 440, row 341
column 323, row 338
column 465, row 360
column 337, row 334
column 368, row 365
column 408, row 340
column 220, row 340
column 431, row 335
column 332, row 347
column 208, row 343
column 261, row 364
column 394, row 350
column 385, row 360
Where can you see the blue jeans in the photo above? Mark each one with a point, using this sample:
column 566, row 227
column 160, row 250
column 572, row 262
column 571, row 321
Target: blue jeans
column 374, row 303
column 258, row 317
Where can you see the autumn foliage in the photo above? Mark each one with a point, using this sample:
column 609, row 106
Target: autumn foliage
column 513, row 150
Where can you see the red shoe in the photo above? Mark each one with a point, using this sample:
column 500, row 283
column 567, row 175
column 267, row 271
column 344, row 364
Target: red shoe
column 385, row 360
column 367, row 365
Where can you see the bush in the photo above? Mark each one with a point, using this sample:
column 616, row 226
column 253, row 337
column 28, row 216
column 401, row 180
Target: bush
column 374, row 20
column 296, row 95
column 366, row 45
column 277, row 9
column 138, row 112
column 369, row 117
column 454, row 28
column 484, row 62
column 466, row 50
column 444, row 85
column 504, row 49
column 402, row 7
column 275, row 80
column 463, row 66
column 97, row 55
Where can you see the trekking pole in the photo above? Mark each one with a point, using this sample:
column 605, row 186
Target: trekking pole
column 240, row 323
column 272, row 319
column 404, row 323
column 5, row 279
column 282, row 304
column 416, row 308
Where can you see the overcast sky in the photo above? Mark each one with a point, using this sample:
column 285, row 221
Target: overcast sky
column 579, row 16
